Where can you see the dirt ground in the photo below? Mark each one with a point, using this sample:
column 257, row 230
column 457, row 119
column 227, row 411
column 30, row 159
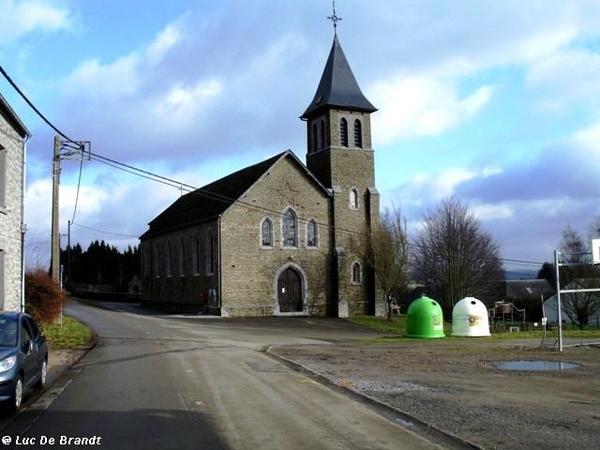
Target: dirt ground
column 454, row 386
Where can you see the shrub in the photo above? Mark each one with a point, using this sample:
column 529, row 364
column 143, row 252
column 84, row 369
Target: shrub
column 43, row 297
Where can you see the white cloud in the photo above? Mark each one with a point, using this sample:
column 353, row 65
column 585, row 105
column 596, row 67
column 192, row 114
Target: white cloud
column 19, row 18
column 180, row 106
column 415, row 106
column 166, row 40
column 588, row 142
column 429, row 188
column 493, row 212
column 569, row 76
column 104, row 82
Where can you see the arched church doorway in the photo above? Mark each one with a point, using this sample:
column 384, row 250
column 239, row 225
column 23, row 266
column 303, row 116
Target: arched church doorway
column 289, row 291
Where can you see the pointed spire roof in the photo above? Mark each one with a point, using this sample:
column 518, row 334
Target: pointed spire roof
column 338, row 87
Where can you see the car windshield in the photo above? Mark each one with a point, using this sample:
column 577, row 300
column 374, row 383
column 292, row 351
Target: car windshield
column 8, row 332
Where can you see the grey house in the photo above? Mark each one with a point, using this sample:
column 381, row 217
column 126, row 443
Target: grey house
column 13, row 139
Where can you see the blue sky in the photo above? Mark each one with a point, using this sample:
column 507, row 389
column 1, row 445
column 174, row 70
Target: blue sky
column 497, row 103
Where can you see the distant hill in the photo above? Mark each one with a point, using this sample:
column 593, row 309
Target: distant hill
column 521, row 274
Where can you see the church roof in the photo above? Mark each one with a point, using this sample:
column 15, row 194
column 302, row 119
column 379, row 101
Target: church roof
column 212, row 200
column 338, row 87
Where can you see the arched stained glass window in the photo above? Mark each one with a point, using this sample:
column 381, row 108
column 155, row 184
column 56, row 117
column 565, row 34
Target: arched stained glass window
column 266, row 233
column 289, row 228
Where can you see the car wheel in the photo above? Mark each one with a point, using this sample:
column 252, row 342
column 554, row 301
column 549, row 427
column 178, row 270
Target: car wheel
column 17, row 394
column 43, row 374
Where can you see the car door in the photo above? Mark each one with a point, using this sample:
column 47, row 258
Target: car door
column 38, row 353
column 33, row 355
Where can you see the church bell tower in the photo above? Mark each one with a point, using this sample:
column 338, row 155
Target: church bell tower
column 340, row 155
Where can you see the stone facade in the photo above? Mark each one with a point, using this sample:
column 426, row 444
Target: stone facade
column 13, row 136
column 250, row 270
column 278, row 238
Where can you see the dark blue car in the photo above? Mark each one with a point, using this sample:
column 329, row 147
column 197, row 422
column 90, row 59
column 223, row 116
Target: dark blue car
column 23, row 357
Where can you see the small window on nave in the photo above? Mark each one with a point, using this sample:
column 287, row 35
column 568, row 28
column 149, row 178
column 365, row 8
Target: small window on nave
column 312, row 233
column 356, row 273
column 353, row 200
column 266, row 233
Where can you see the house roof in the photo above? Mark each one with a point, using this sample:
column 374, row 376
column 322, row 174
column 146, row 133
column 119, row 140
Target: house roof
column 528, row 289
column 12, row 118
column 338, row 87
column 212, row 200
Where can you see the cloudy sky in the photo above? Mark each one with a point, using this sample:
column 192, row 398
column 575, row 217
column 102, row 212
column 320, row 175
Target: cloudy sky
column 495, row 102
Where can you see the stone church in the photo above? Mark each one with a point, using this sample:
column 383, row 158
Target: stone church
column 275, row 238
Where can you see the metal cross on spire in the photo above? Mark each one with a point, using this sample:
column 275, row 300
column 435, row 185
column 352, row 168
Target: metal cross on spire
column 334, row 18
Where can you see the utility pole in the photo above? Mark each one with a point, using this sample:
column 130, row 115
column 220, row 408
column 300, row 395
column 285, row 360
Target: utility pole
column 55, row 248
column 62, row 150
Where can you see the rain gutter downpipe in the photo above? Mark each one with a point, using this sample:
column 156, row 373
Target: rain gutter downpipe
column 23, row 224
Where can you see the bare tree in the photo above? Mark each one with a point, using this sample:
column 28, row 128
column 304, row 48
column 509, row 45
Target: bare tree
column 580, row 306
column 572, row 247
column 385, row 251
column 454, row 258
column 578, row 273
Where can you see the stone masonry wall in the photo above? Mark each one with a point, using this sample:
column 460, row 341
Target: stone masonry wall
column 11, row 217
column 250, row 270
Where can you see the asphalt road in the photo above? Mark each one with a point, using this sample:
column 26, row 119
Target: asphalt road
column 165, row 382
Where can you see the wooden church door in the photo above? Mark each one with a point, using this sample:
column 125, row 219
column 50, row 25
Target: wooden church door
column 289, row 287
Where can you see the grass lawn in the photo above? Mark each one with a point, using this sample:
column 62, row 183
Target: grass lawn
column 71, row 334
column 398, row 325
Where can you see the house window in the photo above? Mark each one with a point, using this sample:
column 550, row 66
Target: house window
column 181, row 256
column 353, row 199
column 210, row 253
column 289, row 228
column 356, row 273
column 266, row 233
column 168, row 259
column 315, row 137
column 357, row 134
column 344, row 132
column 312, row 234
column 157, row 260
column 2, row 177
column 196, row 255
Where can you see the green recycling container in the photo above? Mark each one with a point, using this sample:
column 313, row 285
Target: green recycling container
column 425, row 319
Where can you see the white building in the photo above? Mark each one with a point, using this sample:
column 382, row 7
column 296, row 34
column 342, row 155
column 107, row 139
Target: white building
column 13, row 139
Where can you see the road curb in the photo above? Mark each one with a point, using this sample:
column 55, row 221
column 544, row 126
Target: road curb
column 391, row 413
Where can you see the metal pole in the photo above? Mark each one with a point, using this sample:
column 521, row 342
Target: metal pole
column 69, row 252
column 55, row 249
column 558, row 303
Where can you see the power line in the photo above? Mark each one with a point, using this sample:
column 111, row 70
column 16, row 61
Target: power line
column 32, row 106
column 78, row 187
column 176, row 184
column 104, row 231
